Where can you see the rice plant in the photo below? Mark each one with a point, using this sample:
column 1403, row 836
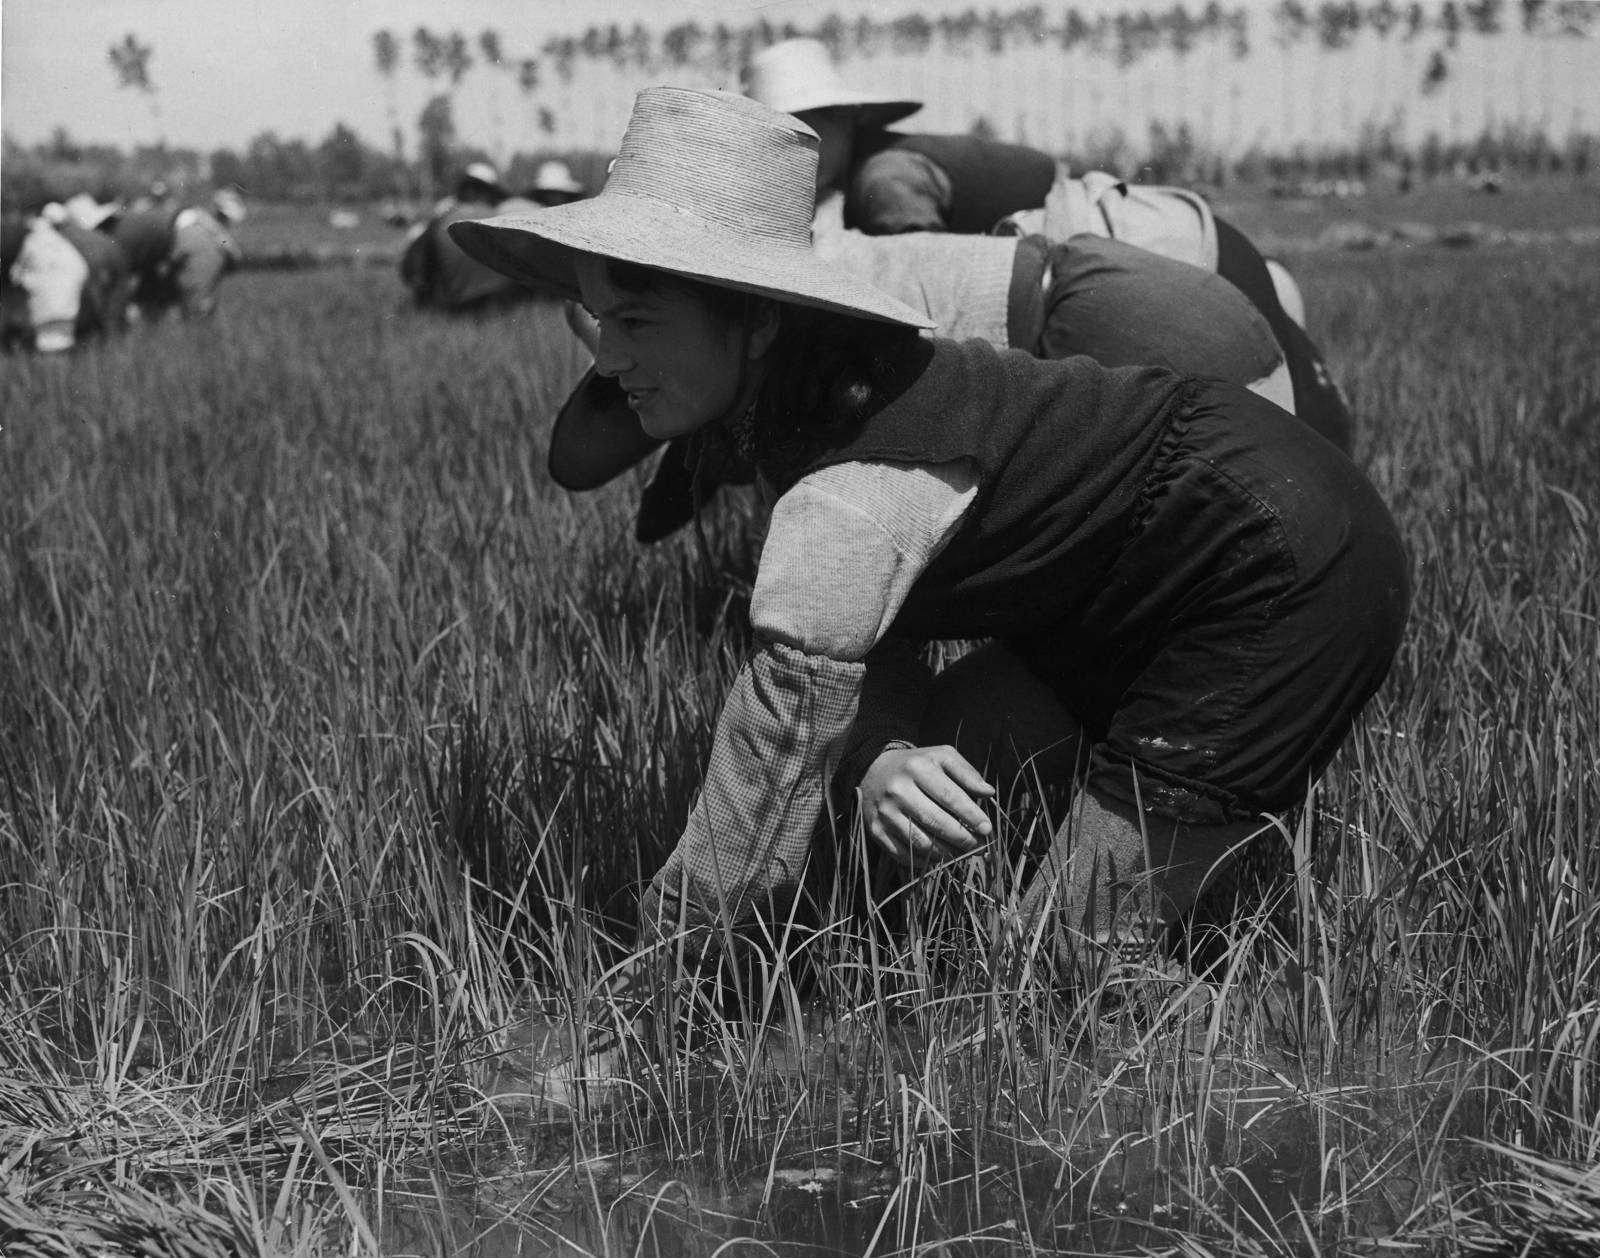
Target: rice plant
column 335, row 743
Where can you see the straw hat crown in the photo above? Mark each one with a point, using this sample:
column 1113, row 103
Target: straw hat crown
column 710, row 186
column 798, row 74
column 756, row 172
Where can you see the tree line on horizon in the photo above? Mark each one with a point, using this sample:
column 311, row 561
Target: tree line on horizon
column 720, row 49
column 1125, row 38
column 342, row 169
column 343, row 166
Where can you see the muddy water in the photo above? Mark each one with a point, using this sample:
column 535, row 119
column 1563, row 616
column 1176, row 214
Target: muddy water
column 558, row 1182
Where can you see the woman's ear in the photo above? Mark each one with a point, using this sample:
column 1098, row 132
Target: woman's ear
column 766, row 321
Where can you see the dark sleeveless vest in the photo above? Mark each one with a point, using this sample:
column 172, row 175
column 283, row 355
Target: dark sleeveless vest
column 988, row 179
column 1063, row 450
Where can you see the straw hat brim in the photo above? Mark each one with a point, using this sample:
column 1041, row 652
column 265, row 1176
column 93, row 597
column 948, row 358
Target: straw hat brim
column 891, row 111
column 870, row 114
column 541, row 248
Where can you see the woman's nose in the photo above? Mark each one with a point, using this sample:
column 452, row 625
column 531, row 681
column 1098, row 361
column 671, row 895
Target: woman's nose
column 609, row 357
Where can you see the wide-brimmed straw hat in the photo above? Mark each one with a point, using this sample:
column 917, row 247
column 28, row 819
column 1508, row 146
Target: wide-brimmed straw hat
column 709, row 186
column 798, row 74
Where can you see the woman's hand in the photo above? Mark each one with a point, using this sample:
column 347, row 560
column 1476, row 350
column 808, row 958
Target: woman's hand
column 920, row 803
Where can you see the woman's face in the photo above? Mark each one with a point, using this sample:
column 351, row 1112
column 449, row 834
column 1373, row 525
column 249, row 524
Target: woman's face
column 682, row 363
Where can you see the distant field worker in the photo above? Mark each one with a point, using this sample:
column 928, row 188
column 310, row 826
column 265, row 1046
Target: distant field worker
column 107, row 290
column 57, row 300
column 1170, row 574
column 441, row 277
column 1182, row 224
column 180, row 257
column 892, row 181
column 50, row 276
column 884, row 182
column 554, row 184
column 1117, row 304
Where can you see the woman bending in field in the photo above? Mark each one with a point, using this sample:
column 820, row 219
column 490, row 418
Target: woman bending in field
column 1166, row 569
column 1122, row 306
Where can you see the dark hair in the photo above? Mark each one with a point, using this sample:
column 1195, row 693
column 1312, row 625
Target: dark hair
column 727, row 304
column 826, row 372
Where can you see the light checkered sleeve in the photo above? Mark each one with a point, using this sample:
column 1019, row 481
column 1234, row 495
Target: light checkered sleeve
column 777, row 744
column 843, row 550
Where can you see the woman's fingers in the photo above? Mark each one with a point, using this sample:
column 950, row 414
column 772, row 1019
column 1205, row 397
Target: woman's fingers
column 893, row 840
column 921, row 804
column 937, row 792
column 962, row 772
column 926, row 822
column 906, row 842
column 927, row 811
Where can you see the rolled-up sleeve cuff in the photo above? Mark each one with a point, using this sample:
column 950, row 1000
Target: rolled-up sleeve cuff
column 894, row 694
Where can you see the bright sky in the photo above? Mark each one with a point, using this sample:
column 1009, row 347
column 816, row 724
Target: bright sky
column 226, row 70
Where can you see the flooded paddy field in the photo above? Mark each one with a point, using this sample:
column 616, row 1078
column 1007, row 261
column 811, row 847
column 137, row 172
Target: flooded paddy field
column 1096, row 1162
column 335, row 738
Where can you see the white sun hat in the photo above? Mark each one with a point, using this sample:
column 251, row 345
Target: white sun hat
column 708, row 186
column 798, row 74
column 554, row 176
column 227, row 203
column 86, row 212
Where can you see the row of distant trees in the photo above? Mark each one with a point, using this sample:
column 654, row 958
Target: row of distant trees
column 344, row 169
column 446, row 59
column 1124, row 37
column 341, row 168
column 421, row 155
column 719, row 50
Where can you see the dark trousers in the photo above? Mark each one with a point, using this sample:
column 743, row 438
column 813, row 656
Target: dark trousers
column 1256, row 607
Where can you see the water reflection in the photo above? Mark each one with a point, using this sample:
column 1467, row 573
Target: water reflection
column 1120, row 1202
column 1264, row 1159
